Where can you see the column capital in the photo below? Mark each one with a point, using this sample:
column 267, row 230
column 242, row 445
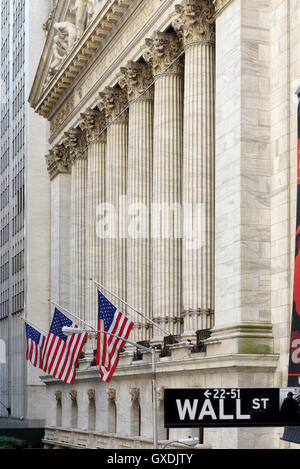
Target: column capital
column 92, row 123
column 112, row 101
column 111, row 394
column 161, row 50
column 58, row 161
column 195, row 21
column 75, row 142
column 91, row 394
column 135, row 78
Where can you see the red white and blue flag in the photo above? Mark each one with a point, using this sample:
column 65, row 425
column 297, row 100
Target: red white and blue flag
column 111, row 320
column 35, row 346
column 294, row 362
column 292, row 434
column 62, row 352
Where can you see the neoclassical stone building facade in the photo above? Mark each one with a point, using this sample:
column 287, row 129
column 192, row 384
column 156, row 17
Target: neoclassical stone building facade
column 155, row 107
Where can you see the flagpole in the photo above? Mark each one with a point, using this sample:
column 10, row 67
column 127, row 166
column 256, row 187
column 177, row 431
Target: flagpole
column 131, row 307
column 73, row 330
column 33, row 325
column 71, row 314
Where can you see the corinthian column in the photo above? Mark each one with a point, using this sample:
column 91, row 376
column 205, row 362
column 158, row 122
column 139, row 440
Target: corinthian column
column 136, row 78
column 162, row 49
column 112, row 102
column 194, row 24
column 78, row 207
column 93, row 123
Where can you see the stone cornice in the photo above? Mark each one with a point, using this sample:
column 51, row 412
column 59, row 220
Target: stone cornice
column 209, row 364
column 98, row 30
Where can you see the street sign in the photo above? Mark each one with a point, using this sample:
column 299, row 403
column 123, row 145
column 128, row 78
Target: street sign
column 232, row 407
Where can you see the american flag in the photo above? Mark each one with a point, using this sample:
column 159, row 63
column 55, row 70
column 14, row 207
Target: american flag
column 35, row 346
column 62, row 352
column 111, row 320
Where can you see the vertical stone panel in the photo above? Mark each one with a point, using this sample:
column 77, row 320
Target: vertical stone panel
column 243, row 171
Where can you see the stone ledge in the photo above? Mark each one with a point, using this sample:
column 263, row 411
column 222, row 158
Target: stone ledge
column 67, row 438
column 208, row 364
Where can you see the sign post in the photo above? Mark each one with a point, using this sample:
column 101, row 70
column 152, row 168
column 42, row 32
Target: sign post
column 232, row 407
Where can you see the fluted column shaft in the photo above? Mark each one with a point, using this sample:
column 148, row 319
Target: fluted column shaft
column 167, row 160
column 112, row 102
column 198, row 186
column 78, row 236
column 195, row 26
column 95, row 244
column 136, row 77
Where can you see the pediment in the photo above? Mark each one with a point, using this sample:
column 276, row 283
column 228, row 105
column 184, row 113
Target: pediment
column 74, row 31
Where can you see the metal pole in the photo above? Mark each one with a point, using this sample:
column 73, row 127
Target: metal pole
column 154, row 400
column 132, row 308
column 71, row 314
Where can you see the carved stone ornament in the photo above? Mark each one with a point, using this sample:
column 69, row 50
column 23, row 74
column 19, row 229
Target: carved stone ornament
column 58, row 395
column 73, row 395
column 74, row 142
column 84, row 11
column 134, row 394
column 161, row 393
column 63, row 41
column 67, row 33
column 111, row 394
column 162, row 51
column 220, row 4
column 195, row 21
column 47, row 24
column 92, row 123
column 57, row 160
column 135, row 78
column 112, row 101
column 91, row 394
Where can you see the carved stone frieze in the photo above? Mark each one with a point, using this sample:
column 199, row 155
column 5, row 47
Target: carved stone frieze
column 161, row 52
column 62, row 115
column 68, row 32
column 195, row 21
column 58, row 161
column 135, row 78
column 92, row 123
column 112, row 101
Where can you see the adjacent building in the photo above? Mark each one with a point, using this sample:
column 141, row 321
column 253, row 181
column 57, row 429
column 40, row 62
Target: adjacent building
column 24, row 210
column 172, row 165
